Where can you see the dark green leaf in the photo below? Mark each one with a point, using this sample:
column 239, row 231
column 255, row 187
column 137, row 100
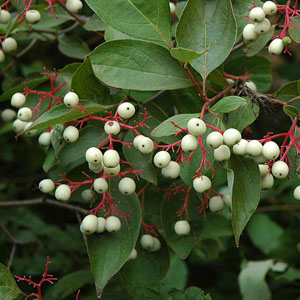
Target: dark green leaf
column 50, row 160
column 73, row 46
column 132, row 64
column 185, row 55
column 229, row 104
column 291, row 111
column 68, row 71
column 295, row 32
column 192, row 293
column 94, row 23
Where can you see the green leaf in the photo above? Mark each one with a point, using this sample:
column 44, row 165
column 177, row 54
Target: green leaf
column 182, row 245
column 252, row 280
column 68, row 71
column 166, row 128
column 50, row 161
column 61, row 114
column 108, row 252
column 132, row 64
column 244, row 185
column 114, row 34
column 291, row 111
column 192, row 293
column 203, row 22
column 147, row 20
column 295, row 32
column 73, row 46
column 186, row 55
column 94, row 23
column 229, row 104
column 8, row 287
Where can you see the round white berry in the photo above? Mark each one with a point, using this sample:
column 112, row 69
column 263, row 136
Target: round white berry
column 33, row 16
column 31, row 132
column 182, row 227
column 257, row 14
column 112, row 127
column 93, row 156
column 24, row 114
column 89, row 224
column 126, row 110
column 100, row 185
column 101, row 225
column 276, row 47
column 222, row 153
column 111, row 158
column 270, row 150
column 172, row 7
column 8, row 115
column 45, row 139
column 267, row 181
column 137, row 140
column 216, row 204
column 147, row 242
column 4, row 16
column 260, row 159
column 2, row 56
column 18, row 125
column 112, row 224
column 280, row 169
column 146, row 145
column 172, row 170
column 231, row 136
column 263, row 170
column 96, row 168
column 71, row 99
column 157, row 245
column 162, row 159
column 227, row 200
column 240, row 147
column 202, row 184
column 63, row 192
column 112, row 171
column 249, row 33
column 87, row 195
column 196, row 126
column 17, row 100
column 297, row 193
column 133, row 255
column 127, row 186
column 9, row 45
column 46, row 186
column 251, row 85
column 270, row 8
column 262, row 27
column 214, row 139
column 189, row 143
column 254, row 148
column 74, row 6
column 71, row 134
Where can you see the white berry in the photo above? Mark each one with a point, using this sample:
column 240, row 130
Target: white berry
column 4, row 16
column 267, row 181
column 112, row 127
column 257, row 14
column 196, row 126
column 270, row 150
column 87, row 195
column 297, row 193
column 276, row 47
column 101, row 225
column 249, row 33
column 100, row 185
column 270, row 8
column 133, row 255
column 214, row 139
column 45, row 139
column 112, row 171
column 227, row 200
column 172, row 170
column 71, row 134
column 46, row 186
column 33, row 16
column 31, row 132
column 71, row 99
column 240, row 147
column 8, row 115
column 216, row 204
column 17, row 100
column 89, row 224
column 63, row 192
column 162, row 159
column 231, row 136
column 126, row 110
column 263, row 170
column 182, row 227
column 96, row 168
column 172, row 7
column 2, row 56
column 222, row 153
column 111, row 158
column 112, row 224
column 262, row 27
column 157, row 245
column 280, row 169
column 189, row 143
column 9, row 45
column 127, row 186
column 74, row 6
column 147, row 242
column 18, row 125
column 260, row 159
column 202, row 184
column 137, row 140
column 24, row 114
column 93, row 156
column 251, row 85
column 254, row 148
column 146, row 145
